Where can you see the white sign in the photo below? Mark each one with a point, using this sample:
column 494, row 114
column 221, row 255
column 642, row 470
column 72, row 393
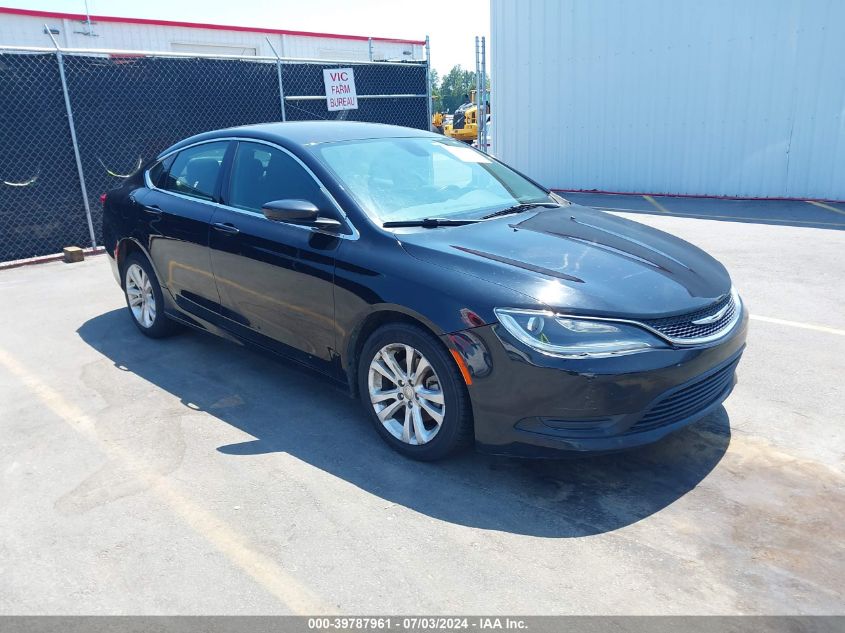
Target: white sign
column 340, row 89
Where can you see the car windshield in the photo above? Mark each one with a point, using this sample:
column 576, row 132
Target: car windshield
column 398, row 179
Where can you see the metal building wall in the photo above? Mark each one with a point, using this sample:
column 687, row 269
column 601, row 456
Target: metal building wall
column 17, row 29
column 724, row 97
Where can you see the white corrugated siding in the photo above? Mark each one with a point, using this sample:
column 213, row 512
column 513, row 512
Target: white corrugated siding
column 26, row 30
column 723, row 97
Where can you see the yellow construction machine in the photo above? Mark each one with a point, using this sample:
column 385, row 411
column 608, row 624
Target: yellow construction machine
column 437, row 122
column 464, row 126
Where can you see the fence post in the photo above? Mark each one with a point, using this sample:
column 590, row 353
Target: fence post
column 428, row 88
column 279, row 75
column 478, row 83
column 281, row 89
column 69, row 109
column 482, row 137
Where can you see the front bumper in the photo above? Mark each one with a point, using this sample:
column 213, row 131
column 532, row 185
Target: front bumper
column 533, row 405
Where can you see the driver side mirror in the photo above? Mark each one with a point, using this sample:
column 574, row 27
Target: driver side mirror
column 298, row 212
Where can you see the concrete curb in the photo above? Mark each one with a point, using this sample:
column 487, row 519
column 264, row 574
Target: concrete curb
column 17, row 263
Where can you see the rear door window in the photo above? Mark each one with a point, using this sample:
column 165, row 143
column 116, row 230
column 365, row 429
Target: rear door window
column 196, row 170
column 158, row 171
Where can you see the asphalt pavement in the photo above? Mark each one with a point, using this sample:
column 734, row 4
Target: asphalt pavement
column 193, row 476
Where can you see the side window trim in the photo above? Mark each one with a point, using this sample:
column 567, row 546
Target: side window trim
column 340, row 214
column 165, row 164
column 191, row 190
column 226, row 170
column 172, row 156
column 226, row 192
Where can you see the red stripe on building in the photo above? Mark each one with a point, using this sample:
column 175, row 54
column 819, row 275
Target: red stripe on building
column 197, row 25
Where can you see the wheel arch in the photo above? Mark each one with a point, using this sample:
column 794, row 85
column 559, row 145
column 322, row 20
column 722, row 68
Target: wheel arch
column 128, row 245
column 379, row 316
column 465, row 421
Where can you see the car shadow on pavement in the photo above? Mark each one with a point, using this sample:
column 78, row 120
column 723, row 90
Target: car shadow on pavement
column 288, row 409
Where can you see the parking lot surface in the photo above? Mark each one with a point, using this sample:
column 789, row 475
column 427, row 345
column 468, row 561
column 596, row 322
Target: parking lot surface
column 193, row 476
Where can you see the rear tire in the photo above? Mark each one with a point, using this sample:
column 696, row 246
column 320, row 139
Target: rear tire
column 413, row 392
column 144, row 298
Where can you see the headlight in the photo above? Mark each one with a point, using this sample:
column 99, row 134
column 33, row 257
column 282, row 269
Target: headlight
column 573, row 337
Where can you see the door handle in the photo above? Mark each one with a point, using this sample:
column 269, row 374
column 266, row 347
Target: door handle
column 152, row 209
column 225, row 227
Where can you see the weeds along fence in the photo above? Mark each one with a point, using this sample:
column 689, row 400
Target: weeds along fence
column 74, row 124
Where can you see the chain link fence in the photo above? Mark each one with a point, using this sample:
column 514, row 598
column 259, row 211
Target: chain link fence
column 118, row 110
column 41, row 207
column 389, row 93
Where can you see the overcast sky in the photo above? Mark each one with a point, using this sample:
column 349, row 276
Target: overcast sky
column 452, row 33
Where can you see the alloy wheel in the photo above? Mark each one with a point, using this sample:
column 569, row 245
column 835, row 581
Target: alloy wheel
column 139, row 291
column 406, row 394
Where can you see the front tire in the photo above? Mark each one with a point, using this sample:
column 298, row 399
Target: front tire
column 414, row 393
column 144, row 298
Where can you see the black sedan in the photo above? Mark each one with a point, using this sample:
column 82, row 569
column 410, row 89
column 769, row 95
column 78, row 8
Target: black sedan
column 460, row 300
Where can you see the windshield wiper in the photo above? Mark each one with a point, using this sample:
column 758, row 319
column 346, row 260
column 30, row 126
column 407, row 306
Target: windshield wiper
column 519, row 208
column 429, row 223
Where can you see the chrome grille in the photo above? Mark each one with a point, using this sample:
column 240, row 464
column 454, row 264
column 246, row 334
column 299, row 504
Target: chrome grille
column 682, row 327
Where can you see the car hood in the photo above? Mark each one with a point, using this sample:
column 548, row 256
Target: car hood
column 580, row 260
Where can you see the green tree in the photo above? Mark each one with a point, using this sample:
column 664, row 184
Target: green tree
column 455, row 89
column 436, row 105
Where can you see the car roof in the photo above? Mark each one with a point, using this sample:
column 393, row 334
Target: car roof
column 308, row 132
